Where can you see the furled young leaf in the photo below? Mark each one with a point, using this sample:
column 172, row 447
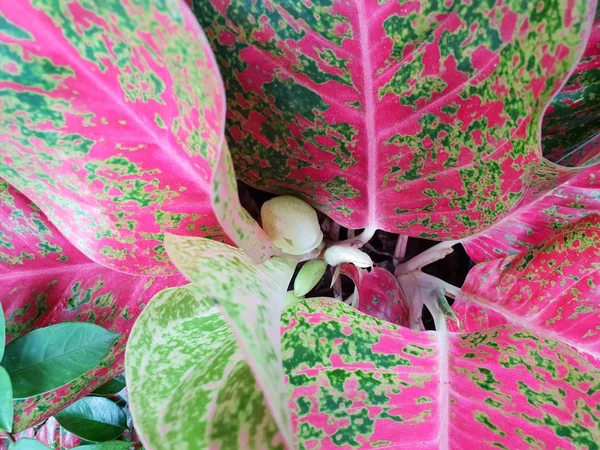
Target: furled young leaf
column 421, row 116
column 48, row 358
column 189, row 384
column 6, row 401
column 28, row 444
column 538, row 217
column 251, row 298
column 95, row 419
column 45, row 281
column 114, row 386
column 362, row 382
column 113, row 125
column 571, row 127
column 554, row 287
column 379, row 294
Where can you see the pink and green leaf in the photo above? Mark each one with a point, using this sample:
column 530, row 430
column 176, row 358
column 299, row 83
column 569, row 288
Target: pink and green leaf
column 414, row 116
column 538, row 217
column 46, row 281
column 571, row 126
column 553, row 288
column 379, row 294
column 113, row 125
column 360, row 382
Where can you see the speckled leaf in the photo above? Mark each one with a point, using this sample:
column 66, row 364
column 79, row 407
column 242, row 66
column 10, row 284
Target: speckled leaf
column 45, row 281
column 251, row 299
column 190, row 387
column 360, row 382
column 571, row 126
column 419, row 116
column 379, row 294
column 554, row 287
column 538, row 217
column 113, row 125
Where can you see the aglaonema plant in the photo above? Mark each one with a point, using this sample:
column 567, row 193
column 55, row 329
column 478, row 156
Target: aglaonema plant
column 421, row 118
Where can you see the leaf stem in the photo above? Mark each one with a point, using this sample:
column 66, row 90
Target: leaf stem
column 400, row 250
column 429, row 256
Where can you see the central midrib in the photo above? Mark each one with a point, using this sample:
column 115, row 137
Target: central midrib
column 369, row 108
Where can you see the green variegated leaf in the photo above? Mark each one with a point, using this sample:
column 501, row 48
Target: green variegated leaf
column 189, row 385
column 251, row 298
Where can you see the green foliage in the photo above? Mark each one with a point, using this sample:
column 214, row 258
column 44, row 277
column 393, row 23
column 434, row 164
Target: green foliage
column 112, row 387
column 94, row 419
column 50, row 357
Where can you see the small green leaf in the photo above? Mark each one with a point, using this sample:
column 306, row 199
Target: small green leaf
column 2, row 332
column 27, row 444
column 6, row 401
column 95, row 419
column 114, row 386
column 309, row 276
column 444, row 306
column 51, row 357
column 110, row 445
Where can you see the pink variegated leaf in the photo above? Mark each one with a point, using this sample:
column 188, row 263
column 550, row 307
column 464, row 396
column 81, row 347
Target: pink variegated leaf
column 554, row 287
column 379, row 294
column 525, row 375
column 45, row 281
column 113, row 117
column 538, row 217
column 359, row 382
column 417, row 116
column 571, row 126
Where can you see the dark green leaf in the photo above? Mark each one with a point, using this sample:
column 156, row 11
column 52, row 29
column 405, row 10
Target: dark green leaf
column 117, row 384
column 110, row 445
column 28, row 444
column 6, row 402
column 95, row 419
column 51, row 357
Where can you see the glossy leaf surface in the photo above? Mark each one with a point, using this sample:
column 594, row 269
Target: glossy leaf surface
column 414, row 116
column 28, row 444
column 379, row 294
column 48, row 358
column 251, row 299
column 112, row 445
column 360, row 382
column 571, row 127
column 46, row 281
column 113, row 126
column 554, row 287
column 538, row 217
column 95, row 419
column 114, row 386
column 187, row 375
column 6, row 401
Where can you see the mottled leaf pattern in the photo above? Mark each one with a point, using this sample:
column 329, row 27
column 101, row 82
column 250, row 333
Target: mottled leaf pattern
column 571, row 127
column 538, row 217
column 251, row 298
column 360, row 382
column 419, row 117
column 190, row 387
column 113, row 125
column 45, row 281
column 379, row 294
column 554, row 288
